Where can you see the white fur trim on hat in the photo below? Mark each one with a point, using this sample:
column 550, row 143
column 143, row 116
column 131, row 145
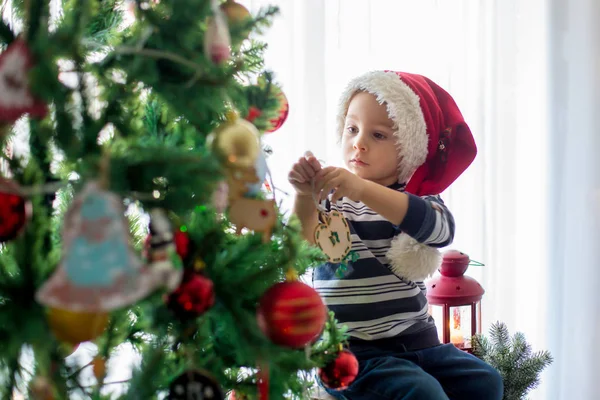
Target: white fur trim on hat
column 403, row 109
column 412, row 260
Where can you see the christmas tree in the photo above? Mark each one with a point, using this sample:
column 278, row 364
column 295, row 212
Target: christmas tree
column 138, row 213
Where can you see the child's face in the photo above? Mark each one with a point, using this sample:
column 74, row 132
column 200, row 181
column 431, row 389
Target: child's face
column 368, row 140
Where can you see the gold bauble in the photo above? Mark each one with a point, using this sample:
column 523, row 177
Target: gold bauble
column 235, row 12
column 76, row 327
column 237, row 142
column 237, row 15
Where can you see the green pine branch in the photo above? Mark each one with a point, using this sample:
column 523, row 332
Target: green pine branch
column 514, row 359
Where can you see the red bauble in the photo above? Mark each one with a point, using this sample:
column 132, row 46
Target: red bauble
column 341, row 372
column 14, row 211
column 284, row 110
column 291, row 314
column 193, row 297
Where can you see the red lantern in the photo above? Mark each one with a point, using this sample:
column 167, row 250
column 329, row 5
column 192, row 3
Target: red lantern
column 455, row 300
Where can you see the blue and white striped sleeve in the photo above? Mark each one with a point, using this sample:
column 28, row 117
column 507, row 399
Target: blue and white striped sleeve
column 428, row 221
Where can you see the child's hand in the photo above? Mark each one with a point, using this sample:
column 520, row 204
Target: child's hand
column 343, row 182
column 303, row 172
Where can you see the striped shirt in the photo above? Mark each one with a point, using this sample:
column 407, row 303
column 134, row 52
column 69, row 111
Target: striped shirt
column 370, row 299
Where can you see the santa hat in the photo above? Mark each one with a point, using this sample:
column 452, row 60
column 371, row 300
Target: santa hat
column 434, row 145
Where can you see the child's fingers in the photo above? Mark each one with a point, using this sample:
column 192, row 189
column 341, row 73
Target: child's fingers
column 325, row 193
column 337, row 194
column 328, row 188
column 314, row 163
column 324, row 176
column 306, row 168
column 296, row 177
column 324, row 172
column 312, row 160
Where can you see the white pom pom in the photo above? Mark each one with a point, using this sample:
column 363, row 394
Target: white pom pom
column 412, row 260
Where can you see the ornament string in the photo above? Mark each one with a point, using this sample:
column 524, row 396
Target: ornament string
column 318, row 205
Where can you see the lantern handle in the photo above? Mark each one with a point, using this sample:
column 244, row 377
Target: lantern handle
column 476, row 263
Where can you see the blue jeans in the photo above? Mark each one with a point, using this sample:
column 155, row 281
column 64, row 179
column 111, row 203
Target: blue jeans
column 436, row 373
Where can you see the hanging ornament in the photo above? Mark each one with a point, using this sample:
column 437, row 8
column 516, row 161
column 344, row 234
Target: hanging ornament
column 261, row 168
column 193, row 297
column 217, row 41
column 195, row 384
column 238, row 18
column 341, row 372
column 163, row 258
column 255, row 214
column 291, row 314
column 15, row 96
column 332, row 235
column 41, row 389
column 182, row 243
column 238, row 180
column 220, row 197
column 15, row 210
column 237, row 141
column 260, row 95
column 76, row 327
column 284, row 110
column 235, row 12
column 98, row 271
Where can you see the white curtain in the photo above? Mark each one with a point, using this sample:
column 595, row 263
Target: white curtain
column 497, row 59
column 574, row 198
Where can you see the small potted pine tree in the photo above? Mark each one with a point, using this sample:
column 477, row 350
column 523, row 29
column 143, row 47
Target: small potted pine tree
column 514, row 359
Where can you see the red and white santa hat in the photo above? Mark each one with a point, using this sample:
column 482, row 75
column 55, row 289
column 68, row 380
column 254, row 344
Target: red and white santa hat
column 435, row 146
column 434, row 143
